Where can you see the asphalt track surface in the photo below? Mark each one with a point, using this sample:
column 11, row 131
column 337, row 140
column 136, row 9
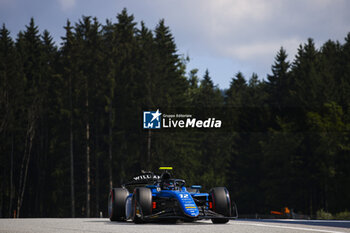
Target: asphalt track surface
column 65, row 225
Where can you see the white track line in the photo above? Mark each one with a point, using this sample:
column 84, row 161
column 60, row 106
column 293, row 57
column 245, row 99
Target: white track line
column 288, row 227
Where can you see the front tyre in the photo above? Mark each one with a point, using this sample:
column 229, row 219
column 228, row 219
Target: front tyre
column 221, row 204
column 116, row 204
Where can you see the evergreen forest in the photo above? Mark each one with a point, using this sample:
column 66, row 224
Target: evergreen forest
column 71, row 121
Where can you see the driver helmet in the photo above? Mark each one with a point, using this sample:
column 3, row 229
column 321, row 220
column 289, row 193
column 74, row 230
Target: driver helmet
column 168, row 185
column 166, row 182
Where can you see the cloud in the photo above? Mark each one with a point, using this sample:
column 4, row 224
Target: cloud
column 252, row 31
column 222, row 35
column 259, row 49
column 7, row 3
column 67, row 4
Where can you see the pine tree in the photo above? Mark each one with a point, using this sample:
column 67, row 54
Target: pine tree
column 304, row 81
column 11, row 94
column 9, row 77
column 208, row 95
column 193, row 82
column 170, row 78
column 109, row 45
column 147, row 92
column 30, row 49
column 329, row 70
column 235, row 98
column 125, row 93
column 278, row 82
column 69, row 73
column 48, row 71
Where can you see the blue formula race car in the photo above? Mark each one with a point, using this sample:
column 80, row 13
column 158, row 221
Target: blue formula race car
column 163, row 198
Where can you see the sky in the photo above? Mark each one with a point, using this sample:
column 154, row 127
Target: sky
column 223, row 36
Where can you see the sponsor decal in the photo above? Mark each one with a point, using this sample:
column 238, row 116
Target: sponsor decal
column 146, row 177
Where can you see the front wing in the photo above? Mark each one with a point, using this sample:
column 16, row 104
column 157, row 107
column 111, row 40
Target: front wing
column 171, row 213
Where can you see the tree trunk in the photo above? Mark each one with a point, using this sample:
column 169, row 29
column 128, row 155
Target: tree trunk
column 26, row 159
column 97, row 177
column 44, row 190
column 39, row 163
column 11, row 179
column 310, row 204
column 149, row 149
column 88, row 197
column 71, row 151
column 3, row 191
column 71, row 172
column 110, row 149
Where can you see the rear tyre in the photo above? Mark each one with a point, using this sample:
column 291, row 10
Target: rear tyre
column 116, row 204
column 221, row 204
column 142, row 203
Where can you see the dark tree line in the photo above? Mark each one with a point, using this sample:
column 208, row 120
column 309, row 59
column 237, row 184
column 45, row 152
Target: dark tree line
column 71, row 122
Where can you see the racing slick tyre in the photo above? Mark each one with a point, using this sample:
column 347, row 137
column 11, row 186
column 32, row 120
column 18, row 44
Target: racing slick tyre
column 116, row 204
column 142, row 204
column 221, row 203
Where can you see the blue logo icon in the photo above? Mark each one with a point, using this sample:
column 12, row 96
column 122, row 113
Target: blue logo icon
column 151, row 119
